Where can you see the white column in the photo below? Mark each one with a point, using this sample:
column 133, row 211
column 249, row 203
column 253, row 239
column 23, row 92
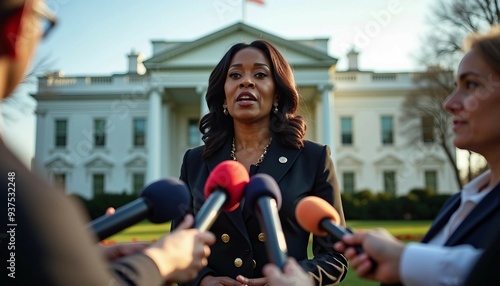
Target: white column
column 166, row 139
column 202, row 91
column 328, row 116
column 153, row 136
column 41, row 145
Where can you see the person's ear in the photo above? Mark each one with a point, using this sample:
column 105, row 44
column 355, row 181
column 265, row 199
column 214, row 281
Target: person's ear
column 10, row 32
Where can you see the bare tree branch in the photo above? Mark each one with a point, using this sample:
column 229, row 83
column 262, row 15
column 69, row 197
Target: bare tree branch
column 20, row 102
column 451, row 21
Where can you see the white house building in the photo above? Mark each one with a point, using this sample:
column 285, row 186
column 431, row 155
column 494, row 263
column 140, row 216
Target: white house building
column 372, row 146
column 117, row 133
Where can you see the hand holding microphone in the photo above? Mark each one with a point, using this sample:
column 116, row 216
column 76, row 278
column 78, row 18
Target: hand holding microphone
column 319, row 217
column 178, row 255
column 263, row 194
column 223, row 191
column 159, row 202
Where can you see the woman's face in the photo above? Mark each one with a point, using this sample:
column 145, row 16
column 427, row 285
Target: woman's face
column 475, row 105
column 249, row 87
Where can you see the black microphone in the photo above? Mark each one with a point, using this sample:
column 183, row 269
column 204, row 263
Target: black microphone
column 223, row 191
column 161, row 201
column 262, row 193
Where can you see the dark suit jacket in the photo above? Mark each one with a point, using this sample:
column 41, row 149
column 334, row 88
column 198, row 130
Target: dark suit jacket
column 485, row 270
column 46, row 241
column 476, row 228
column 307, row 172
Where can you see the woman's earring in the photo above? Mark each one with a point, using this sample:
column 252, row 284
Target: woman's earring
column 275, row 108
column 224, row 106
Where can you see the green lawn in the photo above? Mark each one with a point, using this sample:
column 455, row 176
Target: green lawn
column 405, row 230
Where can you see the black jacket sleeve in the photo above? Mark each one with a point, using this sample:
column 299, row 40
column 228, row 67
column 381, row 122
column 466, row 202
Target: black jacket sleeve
column 327, row 267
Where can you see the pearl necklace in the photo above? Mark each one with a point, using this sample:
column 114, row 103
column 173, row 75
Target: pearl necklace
column 261, row 158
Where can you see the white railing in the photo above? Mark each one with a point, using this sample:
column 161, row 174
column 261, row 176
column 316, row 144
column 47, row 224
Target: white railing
column 95, row 81
column 385, row 77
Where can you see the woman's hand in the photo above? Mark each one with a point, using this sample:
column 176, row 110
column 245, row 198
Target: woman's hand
column 112, row 252
column 252, row 281
column 219, row 281
column 182, row 253
column 379, row 247
column 292, row 275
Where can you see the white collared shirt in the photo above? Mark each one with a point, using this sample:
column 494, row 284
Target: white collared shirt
column 434, row 264
column 470, row 197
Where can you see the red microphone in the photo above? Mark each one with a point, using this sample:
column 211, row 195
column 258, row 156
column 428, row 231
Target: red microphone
column 319, row 217
column 223, row 191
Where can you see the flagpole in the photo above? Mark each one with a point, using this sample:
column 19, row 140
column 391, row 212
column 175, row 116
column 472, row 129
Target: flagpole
column 243, row 11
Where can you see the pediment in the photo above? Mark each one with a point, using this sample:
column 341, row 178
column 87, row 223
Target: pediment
column 349, row 161
column 208, row 50
column 99, row 161
column 389, row 160
column 136, row 161
column 431, row 160
column 58, row 163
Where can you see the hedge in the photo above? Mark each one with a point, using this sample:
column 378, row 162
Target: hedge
column 418, row 204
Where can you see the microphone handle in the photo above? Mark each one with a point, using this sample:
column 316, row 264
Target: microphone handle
column 210, row 210
column 125, row 216
column 338, row 232
column 267, row 214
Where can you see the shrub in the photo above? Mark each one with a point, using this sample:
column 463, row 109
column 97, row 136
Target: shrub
column 418, row 204
column 97, row 206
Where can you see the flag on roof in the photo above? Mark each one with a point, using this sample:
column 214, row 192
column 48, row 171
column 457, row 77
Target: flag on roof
column 261, row 2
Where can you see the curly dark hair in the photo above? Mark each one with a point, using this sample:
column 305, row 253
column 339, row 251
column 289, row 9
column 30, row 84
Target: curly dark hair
column 289, row 127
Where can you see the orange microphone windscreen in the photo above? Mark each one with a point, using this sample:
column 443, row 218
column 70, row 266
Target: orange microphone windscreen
column 311, row 210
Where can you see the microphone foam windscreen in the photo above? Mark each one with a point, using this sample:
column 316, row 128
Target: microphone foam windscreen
column 230, row 176
column 262, row 185
column 311, row 210
column 168, row 198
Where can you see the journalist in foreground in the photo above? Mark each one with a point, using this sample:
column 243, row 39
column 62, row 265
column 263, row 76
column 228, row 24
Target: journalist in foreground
column 466, row 223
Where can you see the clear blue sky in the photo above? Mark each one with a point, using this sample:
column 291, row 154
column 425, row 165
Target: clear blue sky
column 94, row 36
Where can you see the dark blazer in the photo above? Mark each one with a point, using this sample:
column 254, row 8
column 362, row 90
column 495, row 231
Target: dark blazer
column 46, row 239
column 307, row 172
column 476, row 228
column 485, row 270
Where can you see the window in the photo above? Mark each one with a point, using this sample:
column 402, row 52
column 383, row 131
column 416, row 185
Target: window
column 387, row 128
column 98, row 181
column 348, row 182
column 427, row 129
column 431, row 180
column 61, row 132
column 139, row 132
column 193, row 132
column 346, row 130
column 390, row 182
column 60, row 179
column 138, row 180
column 99, row 132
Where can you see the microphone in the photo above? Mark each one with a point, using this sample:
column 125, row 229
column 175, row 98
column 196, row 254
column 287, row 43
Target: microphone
column 161, row 201
column 263, row 194
column 319, row 217
column 223, row 191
